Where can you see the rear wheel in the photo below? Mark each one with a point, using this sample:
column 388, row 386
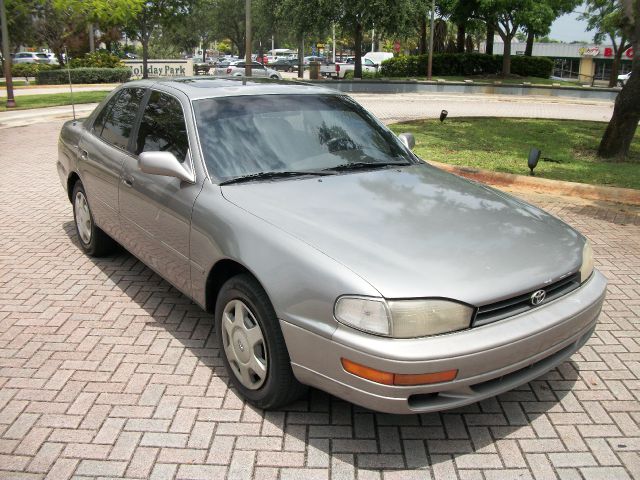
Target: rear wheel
column 254, row 351
column 274, row 77
column 92, row 239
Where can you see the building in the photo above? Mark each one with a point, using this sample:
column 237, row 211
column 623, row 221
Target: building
column 581, row 61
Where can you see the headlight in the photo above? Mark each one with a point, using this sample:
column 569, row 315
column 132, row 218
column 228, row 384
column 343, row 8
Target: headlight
column 403, row 318
column 368, row 314
column 587, row 262
column 419, row 318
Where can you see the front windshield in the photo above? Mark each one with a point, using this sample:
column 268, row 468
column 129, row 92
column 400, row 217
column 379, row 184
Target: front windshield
column 248, row 135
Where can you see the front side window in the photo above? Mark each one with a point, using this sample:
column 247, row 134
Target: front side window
column 162, row 128
column 247, row 135
column 120, row 119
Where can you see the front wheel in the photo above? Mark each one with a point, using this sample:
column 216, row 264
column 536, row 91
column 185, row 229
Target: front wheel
column 274, row 77
column 254, row 351
column 93, row 240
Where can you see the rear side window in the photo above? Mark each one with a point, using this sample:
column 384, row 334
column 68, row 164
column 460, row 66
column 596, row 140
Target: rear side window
column 121, row 117
column 162, row 128
column 98, row 123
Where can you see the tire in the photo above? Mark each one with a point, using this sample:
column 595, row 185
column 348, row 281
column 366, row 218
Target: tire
column 274, row 77
column 241, row 347
column 93, row 240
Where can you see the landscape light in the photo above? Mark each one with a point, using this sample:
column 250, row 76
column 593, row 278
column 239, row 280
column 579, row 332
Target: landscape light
column 534, row 156
column 443, row 115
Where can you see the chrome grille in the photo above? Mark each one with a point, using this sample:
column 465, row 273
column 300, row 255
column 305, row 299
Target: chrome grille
column 522, row 303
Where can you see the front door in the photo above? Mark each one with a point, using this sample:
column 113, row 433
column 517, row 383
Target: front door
column 155, row 210
column 103, row 150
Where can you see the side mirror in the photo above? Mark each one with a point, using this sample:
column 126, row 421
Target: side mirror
column 164, row 163
column 408, row 139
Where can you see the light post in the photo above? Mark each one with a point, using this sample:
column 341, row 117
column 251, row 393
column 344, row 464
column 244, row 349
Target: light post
column 430, row 63
column 7, row 57
column 247, row 53
column 333, row 43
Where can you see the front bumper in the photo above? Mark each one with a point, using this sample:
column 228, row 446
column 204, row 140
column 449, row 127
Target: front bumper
column 491, row 359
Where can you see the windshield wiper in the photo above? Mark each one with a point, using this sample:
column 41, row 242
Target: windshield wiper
column 365, row 165
column 269, row 175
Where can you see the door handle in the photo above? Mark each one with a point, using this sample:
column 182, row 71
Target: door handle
column 128, row 181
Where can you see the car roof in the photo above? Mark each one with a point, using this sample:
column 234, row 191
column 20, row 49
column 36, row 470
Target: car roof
column 207, row 87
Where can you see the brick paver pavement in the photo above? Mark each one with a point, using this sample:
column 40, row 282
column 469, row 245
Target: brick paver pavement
column 105, row 370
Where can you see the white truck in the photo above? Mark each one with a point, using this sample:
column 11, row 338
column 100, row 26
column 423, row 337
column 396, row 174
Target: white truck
column 370, row 63
column 345, row 69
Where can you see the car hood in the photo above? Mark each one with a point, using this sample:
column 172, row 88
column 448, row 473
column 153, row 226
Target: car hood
column 419, row 232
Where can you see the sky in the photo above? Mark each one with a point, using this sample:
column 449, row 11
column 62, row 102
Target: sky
column 568, row 28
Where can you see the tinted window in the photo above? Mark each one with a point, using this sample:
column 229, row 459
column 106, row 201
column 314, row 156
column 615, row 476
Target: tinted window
column 251, row 134
column 98, row 124
column 162, row 128
column 119, row 121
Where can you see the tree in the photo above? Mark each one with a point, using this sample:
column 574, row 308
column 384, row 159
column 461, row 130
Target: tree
column 387, row 16
column 231, row 23
column 151, row 15
column 195, row 26
column 508, row 16
column 303, row 18
column 626, row 113
column 542, row 15
column 605, row 17
column 62, row 23
column 19, row 23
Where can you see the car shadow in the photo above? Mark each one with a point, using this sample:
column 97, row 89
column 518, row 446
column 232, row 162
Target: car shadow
column 331, row 429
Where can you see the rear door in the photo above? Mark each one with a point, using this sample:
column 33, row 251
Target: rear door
column 102, row 150
column 155, row 210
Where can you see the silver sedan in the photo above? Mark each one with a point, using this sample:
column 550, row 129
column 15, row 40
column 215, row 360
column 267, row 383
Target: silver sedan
column 329, row 254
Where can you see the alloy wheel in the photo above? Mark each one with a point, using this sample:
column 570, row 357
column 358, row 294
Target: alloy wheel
column 83, row 218
column 244, row 345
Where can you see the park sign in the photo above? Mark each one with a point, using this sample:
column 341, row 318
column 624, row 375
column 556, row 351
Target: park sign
column 161, row 68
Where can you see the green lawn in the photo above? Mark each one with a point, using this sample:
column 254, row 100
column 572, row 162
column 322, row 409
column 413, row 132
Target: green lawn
column 503, row 145
column 52, row 99
column 16, row 83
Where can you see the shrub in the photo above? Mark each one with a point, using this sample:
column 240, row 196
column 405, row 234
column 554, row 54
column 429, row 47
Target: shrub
column 463, row 64
column 531, row 66
column 29, row 69
column 84, row 75
column 96, row 60
column 365, row 74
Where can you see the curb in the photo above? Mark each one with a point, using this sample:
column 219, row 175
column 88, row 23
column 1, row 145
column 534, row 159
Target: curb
column 573, row 189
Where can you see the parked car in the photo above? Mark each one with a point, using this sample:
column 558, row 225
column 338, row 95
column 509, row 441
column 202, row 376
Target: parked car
column 201, row 67
column 622, row 79
column 378, row 57
column 257, row 70
column 284, row 65
column 345, row 70
column 31, row 57
column 329, row 254
column 313, row 58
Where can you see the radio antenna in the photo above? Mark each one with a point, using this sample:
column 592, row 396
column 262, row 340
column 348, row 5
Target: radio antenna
column 73, row 106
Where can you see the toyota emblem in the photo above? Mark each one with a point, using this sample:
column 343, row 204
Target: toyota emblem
column 538, row 297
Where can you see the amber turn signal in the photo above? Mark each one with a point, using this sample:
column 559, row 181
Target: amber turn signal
column 403, row 379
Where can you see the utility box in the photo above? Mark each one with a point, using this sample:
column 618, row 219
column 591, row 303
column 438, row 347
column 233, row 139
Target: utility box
column 314, row 70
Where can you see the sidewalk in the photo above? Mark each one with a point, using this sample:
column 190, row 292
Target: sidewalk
column 47, row 89
column 22, row 118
